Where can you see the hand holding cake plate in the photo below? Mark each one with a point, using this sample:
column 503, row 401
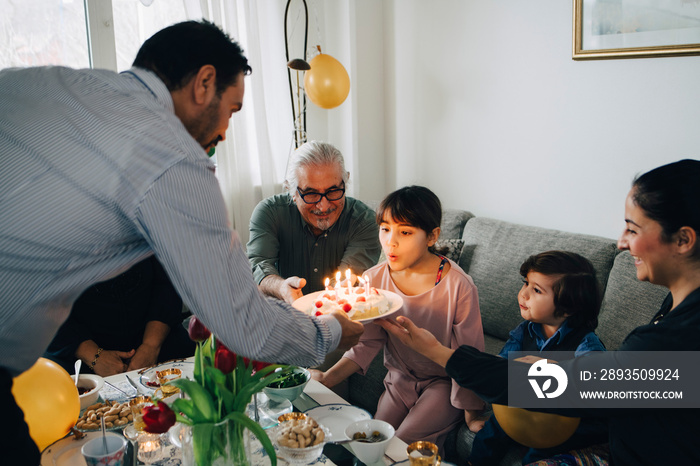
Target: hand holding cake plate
column 306, row 304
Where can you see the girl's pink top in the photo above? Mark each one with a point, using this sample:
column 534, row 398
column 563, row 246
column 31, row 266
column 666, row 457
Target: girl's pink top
column 449, row 310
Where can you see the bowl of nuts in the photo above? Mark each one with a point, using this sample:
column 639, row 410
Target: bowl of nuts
column 89, row 386
column 117, row 416
column 299, row 441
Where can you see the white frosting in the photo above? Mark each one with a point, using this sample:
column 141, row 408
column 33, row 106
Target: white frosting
column 356, row 303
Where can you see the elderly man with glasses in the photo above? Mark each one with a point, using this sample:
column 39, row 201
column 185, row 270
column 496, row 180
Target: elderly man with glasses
column 301, row 237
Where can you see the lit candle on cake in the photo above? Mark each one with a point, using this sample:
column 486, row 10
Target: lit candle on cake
column 327, row 282
column 347, row 277
column 337, row 283
column 367, row 286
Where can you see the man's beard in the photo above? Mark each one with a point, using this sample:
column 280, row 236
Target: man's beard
column 324, row 223
column 201, row 128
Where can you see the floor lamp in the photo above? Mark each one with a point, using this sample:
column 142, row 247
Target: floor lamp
column 298, row 65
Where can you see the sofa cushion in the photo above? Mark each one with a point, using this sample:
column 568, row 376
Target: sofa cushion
column 453, row 222
column 454, row 248
column 493, row 252
column 493, row 345
column 628, row 303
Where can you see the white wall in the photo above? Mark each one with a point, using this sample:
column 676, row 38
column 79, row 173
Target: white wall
column 481, row 102
column 352, row 32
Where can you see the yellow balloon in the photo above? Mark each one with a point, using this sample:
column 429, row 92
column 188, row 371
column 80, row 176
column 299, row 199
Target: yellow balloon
column 47, row 395
column 327, row 83
column 533, row 429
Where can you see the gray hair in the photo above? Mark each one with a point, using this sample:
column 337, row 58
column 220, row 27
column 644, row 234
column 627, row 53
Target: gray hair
column 312, row 153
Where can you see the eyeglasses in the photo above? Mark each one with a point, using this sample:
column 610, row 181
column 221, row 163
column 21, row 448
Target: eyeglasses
column 334, row 194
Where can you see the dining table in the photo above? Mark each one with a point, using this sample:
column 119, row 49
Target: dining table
column 316, row 398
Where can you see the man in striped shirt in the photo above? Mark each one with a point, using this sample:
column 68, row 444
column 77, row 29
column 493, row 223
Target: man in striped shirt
column 100, row 170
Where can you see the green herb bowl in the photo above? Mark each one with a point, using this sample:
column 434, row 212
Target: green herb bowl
column 288, row 393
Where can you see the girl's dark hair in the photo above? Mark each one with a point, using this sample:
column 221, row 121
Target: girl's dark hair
column 670, row 195
column 413, row 205
column 576, row 290
column 177, row 53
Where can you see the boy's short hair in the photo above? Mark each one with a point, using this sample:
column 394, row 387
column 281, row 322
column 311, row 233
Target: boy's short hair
column 576, row 290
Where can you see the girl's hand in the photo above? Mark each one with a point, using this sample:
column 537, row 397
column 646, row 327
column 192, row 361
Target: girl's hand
column 317, row 375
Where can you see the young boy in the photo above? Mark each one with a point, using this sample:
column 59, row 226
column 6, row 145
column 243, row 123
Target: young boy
column 560, row 302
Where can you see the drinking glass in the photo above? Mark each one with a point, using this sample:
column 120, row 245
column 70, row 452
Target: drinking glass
column 423, row 453
column 137, row 404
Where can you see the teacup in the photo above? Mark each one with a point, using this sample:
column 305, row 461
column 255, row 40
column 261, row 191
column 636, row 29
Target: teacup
column 367, row 448
column 423, row 453
column 166, row 376
column 95, row 454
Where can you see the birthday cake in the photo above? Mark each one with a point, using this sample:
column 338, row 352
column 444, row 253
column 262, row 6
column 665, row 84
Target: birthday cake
column 359, row 302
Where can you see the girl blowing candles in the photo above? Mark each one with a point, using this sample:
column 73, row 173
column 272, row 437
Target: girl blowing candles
column 419, row 400
column 662, row 214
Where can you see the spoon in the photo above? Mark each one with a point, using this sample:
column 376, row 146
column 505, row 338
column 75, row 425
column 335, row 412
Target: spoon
column 376, row 437
column 104, row 435
column 78, row 363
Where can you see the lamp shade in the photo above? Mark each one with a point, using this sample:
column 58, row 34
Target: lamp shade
column 327, row 82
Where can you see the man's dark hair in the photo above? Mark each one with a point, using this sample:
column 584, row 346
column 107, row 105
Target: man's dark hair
column 178, row 52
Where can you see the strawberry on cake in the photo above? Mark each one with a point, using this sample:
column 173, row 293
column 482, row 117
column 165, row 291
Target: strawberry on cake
column 356, row 302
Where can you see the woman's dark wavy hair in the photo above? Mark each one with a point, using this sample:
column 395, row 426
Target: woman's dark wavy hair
column 576, row 290
column 177, row 53
column 670, row 195
column 413, row 205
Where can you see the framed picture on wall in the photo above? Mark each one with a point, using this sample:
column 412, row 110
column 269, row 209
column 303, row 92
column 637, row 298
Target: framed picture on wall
column 635, row 28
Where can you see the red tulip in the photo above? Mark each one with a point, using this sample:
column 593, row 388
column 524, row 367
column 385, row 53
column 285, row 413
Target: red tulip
column 224, row 359
column 158, row 418
column 197, row 330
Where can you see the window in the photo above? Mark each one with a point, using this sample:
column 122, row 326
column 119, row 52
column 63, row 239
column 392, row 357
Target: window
column 43, row 32
column 135, row 22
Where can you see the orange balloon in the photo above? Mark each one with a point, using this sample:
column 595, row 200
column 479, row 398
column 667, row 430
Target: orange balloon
column 47, row 395
column 327, row 83
column 533, row 429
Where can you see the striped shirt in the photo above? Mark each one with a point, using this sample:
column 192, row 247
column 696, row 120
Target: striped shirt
column 98, row 173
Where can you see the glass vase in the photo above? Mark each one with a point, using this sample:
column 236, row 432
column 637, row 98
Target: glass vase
column 226, row 443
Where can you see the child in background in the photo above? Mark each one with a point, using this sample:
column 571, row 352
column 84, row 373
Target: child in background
column 420, row 400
